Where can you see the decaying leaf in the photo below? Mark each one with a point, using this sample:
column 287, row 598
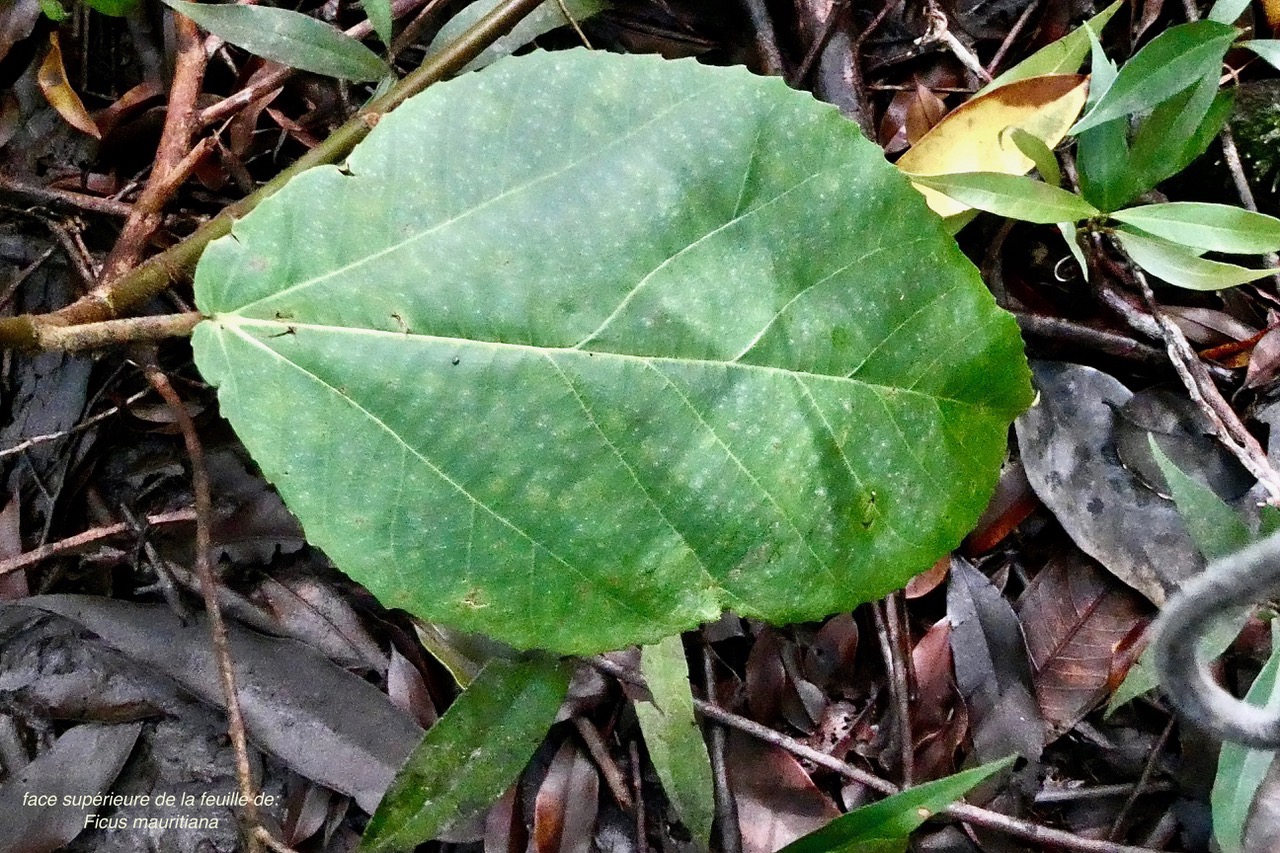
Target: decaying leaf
column 84, row 761
column 564, row 812
column 57, row 90
column 1067, row 442
column 777, row 802
column 1075, row 617
column 993, row 671
column 974, row 138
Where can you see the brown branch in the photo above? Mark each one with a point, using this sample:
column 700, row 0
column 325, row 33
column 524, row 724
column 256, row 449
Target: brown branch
column 108, row 333
column 87, row 539
column 171, row 164
column 155, row 275
column 209, row 592
column 17, row 193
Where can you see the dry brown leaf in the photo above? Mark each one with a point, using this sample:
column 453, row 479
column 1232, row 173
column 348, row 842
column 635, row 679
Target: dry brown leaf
column 924, row 111
column 777, row 802
column 565, row 810
column 972, row 137
column 1074, row 617
column 1264, row 361
column 52, row 78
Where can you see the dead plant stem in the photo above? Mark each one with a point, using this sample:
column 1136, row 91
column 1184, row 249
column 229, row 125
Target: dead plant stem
column 209, row 591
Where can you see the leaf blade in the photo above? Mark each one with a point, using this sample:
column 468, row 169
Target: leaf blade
column 673, row 738
column 1182, row 267
column 1213, row 227
column 472, row 754
column 1014, row 196
column 1161, row 69
column 527, row 353
column 287, row 37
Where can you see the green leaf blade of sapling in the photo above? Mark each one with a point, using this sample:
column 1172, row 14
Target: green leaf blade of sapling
column 571, row 310
column 1227, row 11
column 471, row 755
column 1102, row 153
column 1182, row 267
column 1061, row 57
column 893, row 819
column 1039, row 153
column 1161, row 69
column 1014, row 196
column 1267, row 49
column 1175, row 133
column 673, row 738
column 1217, row 530
column 543, row 19
column 288, row 37
column 1241, row 770
column 114, row 8
column 1213, row 227
column 381, row 17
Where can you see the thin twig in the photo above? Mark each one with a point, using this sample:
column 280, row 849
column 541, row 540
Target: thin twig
column 726, row 809
column 899, row 701
column 1233, row 434
column 1012, row 37
column 642, row 841
column 975, row 815
column 1016, row 827
column 87, row 539
column 604, row 761
column 16, row 192
column 28, row 443
column 209, row 592
column 1140, row 787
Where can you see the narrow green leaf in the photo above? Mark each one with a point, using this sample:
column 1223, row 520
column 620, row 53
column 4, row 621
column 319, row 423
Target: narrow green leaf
column 1039, row 153
column 543, row 19
column 379, row 12
column 673, row 738
column 1183, row 267
column 1069, row 234
column 1268, row 49
column 1177, row 131
column 1168, row 64
column 1241, row 770
column 1227, row 11
column 287, row 37
column 606, row 358
column 1213, row 227
column 895, row 817
column 1217, row 529
column 471, row 755
column 1102, row 154
column 1061, row 57
column 114, row 8
column 1014, row 196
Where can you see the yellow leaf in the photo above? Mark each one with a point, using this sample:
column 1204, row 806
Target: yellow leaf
column 972, row 137
column 57, row 90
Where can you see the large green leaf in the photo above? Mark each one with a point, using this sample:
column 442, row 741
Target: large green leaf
column 581, row 350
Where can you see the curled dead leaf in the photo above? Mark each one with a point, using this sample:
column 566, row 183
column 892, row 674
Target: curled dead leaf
column 52, row 78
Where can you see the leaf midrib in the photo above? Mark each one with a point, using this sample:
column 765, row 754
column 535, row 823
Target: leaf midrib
column 285, row 327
